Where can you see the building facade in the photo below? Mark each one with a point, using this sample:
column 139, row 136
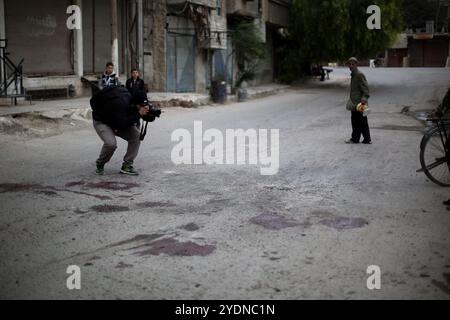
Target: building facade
column 179, row 46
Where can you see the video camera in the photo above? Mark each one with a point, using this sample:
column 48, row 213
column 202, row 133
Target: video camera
column 153, row 113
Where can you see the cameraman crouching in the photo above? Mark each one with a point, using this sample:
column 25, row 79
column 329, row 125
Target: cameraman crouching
column 116, row 113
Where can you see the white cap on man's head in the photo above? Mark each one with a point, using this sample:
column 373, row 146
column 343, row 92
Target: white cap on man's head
column 353, row 59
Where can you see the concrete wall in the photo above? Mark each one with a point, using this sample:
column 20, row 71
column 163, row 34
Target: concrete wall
column 155, row 44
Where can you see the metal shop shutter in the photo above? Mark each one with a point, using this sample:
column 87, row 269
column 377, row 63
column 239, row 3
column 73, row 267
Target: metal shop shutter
column 435, row 53
column 37, row 31
column 180, row 63
column 96, row 35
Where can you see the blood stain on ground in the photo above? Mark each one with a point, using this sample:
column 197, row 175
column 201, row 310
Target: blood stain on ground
column 112, row 185
column 343, row 223
column 273, row 221
column 75, row 183
column 40, row 189
column 445, row 287
column 152, row 204
column 190, row 227
column 173, row 247
column 47, row 192
column 123, row 265
column 109, row 208
column 18, row 187
column 138, row 238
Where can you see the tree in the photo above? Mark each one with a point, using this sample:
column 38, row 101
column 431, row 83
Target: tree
column 249, row 50
column 334, row 30
column 417, row 12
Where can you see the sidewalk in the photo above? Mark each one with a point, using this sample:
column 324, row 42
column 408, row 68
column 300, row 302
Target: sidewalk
column 58, row 108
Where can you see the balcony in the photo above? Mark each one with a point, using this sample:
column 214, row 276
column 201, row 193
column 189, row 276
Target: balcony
column 205, row 3
column 278, row 12
column 246, row 8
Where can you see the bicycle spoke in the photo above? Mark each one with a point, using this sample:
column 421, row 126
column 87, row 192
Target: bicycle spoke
column 434, row 160
column 436, row 164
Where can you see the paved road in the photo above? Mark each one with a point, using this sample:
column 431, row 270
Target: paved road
column 226, row 231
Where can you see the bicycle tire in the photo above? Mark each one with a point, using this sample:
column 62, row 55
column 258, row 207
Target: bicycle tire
column 433, row 159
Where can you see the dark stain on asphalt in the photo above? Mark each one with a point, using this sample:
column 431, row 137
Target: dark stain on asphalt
column 343, row 223
column 49, row 193
column 40, row 189
column 273, row 221
column 123, row 265
column 75, row 183
column 18, row 187
column 154, row 204
column 89, row 194
column 174, row 247
column 138, row 238
column 445, row 287
column 190, row 227
column 104, row 185
column 109, row 208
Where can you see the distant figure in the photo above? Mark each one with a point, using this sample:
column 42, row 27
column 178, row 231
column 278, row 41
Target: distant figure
column 109, row 78
column 135, row 83
column 322, row 73
column 359, row 94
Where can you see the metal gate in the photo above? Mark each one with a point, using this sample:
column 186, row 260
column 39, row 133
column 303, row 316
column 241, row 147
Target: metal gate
column 96, row 35
column 180, row 63
column 435, row 53
column 429, row 53
column 37, row 32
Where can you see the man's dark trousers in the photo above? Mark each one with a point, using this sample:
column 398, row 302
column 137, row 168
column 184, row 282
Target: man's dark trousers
column 360, row 126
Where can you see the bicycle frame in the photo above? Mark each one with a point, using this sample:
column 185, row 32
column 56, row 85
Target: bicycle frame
column 441, row 125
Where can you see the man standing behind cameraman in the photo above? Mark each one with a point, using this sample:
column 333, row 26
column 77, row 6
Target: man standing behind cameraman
column 115, row 113
column 359, row 93
column 135, row 83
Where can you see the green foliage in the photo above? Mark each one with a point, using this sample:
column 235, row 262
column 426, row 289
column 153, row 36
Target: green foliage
column 249, row 50
column 417, row 12
column 333, row 30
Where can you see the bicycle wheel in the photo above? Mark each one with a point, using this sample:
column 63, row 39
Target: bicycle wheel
column 433, row 158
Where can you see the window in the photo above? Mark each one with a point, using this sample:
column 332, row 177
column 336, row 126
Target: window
column 219, row 7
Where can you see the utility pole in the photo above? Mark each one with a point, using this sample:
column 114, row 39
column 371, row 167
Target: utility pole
column 140, row 34
column 2, row 34
column 114, row 37
column 78, row 46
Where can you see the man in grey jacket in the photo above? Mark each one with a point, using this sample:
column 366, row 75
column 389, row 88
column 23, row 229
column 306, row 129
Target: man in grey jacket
column 359, row 93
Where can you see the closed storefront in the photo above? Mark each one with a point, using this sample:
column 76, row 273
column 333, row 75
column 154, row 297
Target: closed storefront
column 97, row 20
column 180, row 63
column 395, row 57
column 429, row 53
column 37, row 32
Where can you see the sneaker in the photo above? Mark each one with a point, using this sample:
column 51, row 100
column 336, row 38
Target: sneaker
column 367, row 142
column 129, row 170
column 447, row 203
column 100, row 170
column 351, row 142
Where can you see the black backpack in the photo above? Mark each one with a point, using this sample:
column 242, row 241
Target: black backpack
column 103, row 101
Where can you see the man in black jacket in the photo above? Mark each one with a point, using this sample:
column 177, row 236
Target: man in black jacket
column 116, row 113
column 135, row 83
